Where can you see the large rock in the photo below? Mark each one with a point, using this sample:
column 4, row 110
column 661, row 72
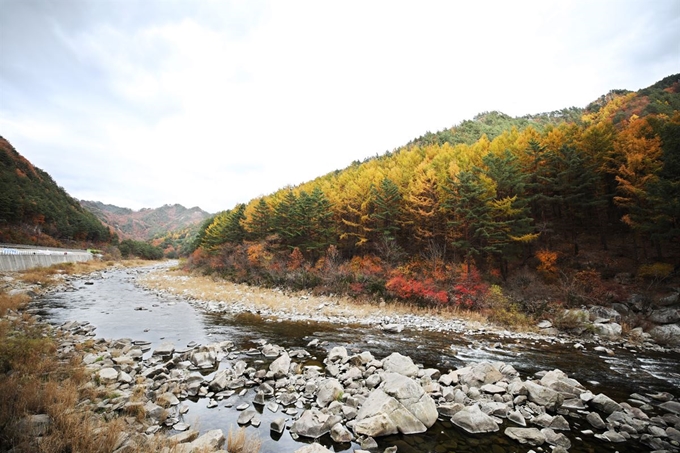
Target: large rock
column 480, row 374
column 669, row 333
column 340, row 434
column 314, row 423
column 329, row 390
column 383, row 415
column 543, row 396
column 210, row 441
column 671, row 406
column 560, row 382
column 397, row 363
column 531, row 436
column 665, row 316
column 338, row 353
column 280, row 366
column 165, row 349
column 473, row 420
column 108, row 375
column 203, row 357
column 605, row 404
column 412, row 396
column 609, row 330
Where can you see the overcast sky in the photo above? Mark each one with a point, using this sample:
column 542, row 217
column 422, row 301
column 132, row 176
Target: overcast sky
column 211, row 103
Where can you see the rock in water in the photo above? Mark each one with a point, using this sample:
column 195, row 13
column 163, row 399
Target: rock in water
column 473, row 420
column 531, row 436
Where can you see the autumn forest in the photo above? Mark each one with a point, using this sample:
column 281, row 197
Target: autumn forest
column 554, row 204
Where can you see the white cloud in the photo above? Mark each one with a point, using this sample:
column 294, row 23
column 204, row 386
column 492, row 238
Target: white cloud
column 214, row 103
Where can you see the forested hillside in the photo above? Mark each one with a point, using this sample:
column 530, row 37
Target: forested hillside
column 35, row 210
column 561, row 202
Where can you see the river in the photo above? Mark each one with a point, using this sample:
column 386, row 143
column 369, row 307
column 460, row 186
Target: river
column 118, row 308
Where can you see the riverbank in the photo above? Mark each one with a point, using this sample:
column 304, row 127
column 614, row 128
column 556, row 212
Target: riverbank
column 221, row 296
column 151, row 388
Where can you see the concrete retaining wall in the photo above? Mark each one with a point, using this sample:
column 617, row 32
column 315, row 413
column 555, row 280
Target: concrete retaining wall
column 11, row 263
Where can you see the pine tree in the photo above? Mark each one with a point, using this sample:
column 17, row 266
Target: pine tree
column 387, row 202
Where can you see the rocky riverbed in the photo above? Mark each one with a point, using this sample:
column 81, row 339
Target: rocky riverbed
column 356, row 398
column 350, row 400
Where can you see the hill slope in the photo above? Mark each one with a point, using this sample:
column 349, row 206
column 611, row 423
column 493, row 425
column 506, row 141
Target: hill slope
column 35, row 210
column 145, row 224
column 568, row 199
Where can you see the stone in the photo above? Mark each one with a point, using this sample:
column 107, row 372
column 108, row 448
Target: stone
column 517, row 417
column 669, row 333
column 473, row 420
column 492, row 389
column 314, row 423
column 338, row 353
column 671, row 406
column 557, row 439
column 382, row 415
column 397, row 363
column 669, row 300
column 605, row 404
column 611, row 436
column 393, row 328
column 543, row 396
column 412, row 396
column 609, row 330
column 180, row 426
column 544, row 324
column 167, row 399
column 608, row 314
column 664, row 316
column 329, row 390
column 340, row 434
column 212, row 440
column 313, row 448
column 480, row 374
column 184, row 437
column 246, row 416
column 531, row 436
column 204, row 357
column 450, row 409
column 278, row 425
column 108, row 375
column 280, row 366
column 165, row 349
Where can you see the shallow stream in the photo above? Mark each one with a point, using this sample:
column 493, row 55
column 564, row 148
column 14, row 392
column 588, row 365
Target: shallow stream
column 120, row 309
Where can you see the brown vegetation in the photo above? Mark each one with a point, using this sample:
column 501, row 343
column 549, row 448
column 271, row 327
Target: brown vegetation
column 35, row 380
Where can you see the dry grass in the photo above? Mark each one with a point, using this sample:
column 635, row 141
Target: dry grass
column 208, row 288
column 241, row 442
column 13, row 302
column 33, row 380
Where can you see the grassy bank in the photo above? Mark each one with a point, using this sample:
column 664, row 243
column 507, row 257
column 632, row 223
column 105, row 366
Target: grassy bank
column 48, row 394
column 202, row 287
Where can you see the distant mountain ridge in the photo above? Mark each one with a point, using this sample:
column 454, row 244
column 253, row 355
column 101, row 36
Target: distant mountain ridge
column 146, row 223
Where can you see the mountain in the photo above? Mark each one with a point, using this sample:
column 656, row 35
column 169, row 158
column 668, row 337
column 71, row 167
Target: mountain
column 146, row 223
column 35, row 210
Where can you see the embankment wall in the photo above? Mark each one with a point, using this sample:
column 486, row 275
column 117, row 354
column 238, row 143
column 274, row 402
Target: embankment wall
column 12, row 263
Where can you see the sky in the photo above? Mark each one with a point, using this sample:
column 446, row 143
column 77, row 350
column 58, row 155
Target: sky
column 212, row 103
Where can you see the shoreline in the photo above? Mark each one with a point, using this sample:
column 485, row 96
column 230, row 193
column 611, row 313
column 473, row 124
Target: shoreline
column 221, row 296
